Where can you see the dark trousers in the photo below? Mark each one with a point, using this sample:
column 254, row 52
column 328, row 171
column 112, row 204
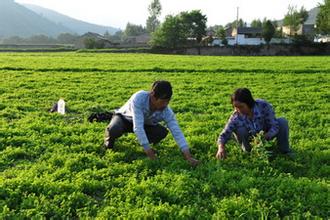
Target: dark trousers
column 243, row 137
column 119, row 126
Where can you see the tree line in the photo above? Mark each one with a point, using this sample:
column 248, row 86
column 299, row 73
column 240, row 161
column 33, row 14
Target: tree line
column 178, row 30
column 190, row 28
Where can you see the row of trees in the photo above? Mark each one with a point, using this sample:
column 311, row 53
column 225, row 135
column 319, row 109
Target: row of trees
column 181, row 29
column 323, row 18
column 152, row 24
column 177, row 26
column 65, row 38
column 177, row 30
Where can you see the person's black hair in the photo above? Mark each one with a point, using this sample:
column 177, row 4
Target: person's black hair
column 243, row 95
column 162, row 89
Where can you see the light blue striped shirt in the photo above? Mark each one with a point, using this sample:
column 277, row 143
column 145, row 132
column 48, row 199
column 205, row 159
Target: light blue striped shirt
column 137, row 111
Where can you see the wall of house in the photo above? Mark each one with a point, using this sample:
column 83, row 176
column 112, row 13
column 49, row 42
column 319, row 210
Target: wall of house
column 242, row 40
column 264, row 50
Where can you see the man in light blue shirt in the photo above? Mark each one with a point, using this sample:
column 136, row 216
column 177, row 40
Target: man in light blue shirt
column 141, row 114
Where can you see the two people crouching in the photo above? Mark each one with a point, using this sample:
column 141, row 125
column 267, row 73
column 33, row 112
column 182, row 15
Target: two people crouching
column 144, row 111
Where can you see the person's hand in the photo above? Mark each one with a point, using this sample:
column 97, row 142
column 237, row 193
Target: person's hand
column 267, row 136
column 221, row 154
column 151, row 153
column 193, row 162
column 189, row 158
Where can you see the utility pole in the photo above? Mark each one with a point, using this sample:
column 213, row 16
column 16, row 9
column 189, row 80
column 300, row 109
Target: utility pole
column 237, row 25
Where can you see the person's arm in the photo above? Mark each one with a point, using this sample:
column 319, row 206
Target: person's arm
column 225, row 136
column 271, row 122
column 221, row 153
column 138, row 128
column 174, row 127
column 187, row 155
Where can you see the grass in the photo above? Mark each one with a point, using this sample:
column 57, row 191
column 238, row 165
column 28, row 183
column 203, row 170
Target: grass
column 53, row 166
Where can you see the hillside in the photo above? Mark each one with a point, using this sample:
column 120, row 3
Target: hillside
column 79, row 27
column 20, row 21
column 28, row 20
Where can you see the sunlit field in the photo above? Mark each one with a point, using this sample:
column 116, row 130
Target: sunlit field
column 54, row 166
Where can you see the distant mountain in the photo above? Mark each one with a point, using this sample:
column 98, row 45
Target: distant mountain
column 77, row 26
column 28, row 20
column 312, row 16
column 17, row 20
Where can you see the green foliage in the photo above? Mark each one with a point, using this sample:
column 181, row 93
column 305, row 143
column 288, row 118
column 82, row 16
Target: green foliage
column 134, row 30
column 221, row 33
column 154, row 9
column 240, row 23
column 268, row 31
column 257, row 23
column 171, row 33
column 303, row 15
column 53, row 166
column 91, row 43
column 116, row 37
column 175, row 30
column 35, row 39
column 194, row 23
column 64, row 38
column 323, row 18
column 301, row 40
column 295, row 18
column 262, row 149
column 67, row 38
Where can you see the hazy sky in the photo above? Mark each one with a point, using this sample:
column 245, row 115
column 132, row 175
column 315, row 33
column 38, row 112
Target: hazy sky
column 117, row 13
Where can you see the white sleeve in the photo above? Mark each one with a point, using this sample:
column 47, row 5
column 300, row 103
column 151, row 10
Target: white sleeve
column 174, row 127
column 138, row 124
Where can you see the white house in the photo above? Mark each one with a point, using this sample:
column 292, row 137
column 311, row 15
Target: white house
column 242, row 36
column 246, row 36
column 308, row 28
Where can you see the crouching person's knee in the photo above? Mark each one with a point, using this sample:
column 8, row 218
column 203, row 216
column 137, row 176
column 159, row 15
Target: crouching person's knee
column 283, row 123
column 243, row 138
column 163, row 134
column 113, row 131
column 156, row 133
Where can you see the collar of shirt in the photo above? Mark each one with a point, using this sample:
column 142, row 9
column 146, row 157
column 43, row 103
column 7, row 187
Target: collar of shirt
column 253, row 124
column 256, row 114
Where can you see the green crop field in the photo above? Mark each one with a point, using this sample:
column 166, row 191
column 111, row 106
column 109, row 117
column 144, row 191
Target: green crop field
column 53, row 166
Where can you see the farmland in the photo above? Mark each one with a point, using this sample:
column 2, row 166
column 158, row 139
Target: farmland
column 53, row 166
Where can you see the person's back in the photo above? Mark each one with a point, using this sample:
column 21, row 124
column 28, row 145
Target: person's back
column 140, row 100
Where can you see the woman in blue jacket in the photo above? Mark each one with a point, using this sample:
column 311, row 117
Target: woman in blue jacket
column 249, row 118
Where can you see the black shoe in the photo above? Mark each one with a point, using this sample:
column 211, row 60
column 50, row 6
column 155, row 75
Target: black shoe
column 108, row 143
column 108, row 146
column 100, row 117
column 291, row 155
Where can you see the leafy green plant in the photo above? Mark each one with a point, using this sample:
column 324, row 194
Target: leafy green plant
column 53, row 166
column 263, row 149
